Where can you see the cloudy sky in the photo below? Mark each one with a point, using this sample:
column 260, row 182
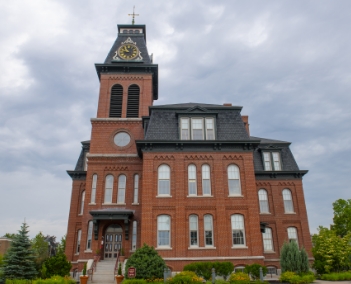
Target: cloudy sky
column 286, row 62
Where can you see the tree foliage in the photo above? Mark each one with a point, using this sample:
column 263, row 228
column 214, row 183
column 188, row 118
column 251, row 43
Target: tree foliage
column 19, row 261
column 40, row 249
column 254, row 270
column 292, row 259
column 342, row 217
column 332, row 253
column 148, row 263
column 10, row 235
column 204, row 268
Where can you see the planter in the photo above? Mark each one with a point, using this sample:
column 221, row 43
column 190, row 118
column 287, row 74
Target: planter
column 84, row 279
column 119, row 278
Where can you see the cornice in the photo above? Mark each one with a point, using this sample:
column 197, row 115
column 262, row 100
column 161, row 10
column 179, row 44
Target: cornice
column 116, row 120
column 280, row 174
column 77, row 175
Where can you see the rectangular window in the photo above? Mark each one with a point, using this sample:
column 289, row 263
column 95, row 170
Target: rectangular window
column 206, row 182
column 210, row 134
column 163, row 228
column 136, row 189
column 79, row 234
column 121, row 189
column 267, row 240
column 193, row 230
column 197, row 128
column 238, row 230
column 93, row 189
column 134, row 237
column 192, row 180
column 185, row 129
column 292, row 235
column 208, row 226
column 90, row 233
column 267, row 161
column 276, row 161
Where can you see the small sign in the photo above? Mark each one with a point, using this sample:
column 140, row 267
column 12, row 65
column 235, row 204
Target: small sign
column 131, row 272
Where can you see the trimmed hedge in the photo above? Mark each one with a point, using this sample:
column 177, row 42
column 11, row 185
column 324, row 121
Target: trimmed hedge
column 52, row 280
column 204, row 269
column 337, row 276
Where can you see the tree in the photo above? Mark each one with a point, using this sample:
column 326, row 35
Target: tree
column 254, row 270
column 40, row 249
column 19, row 261
column 292, row 259
column 331, row 252
column 10, row 236
column 148, row 263
column 342, row 217
column 61, row 247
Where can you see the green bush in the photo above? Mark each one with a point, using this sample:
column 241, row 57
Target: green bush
column 204, row 269
column 239, row 278
column 185, row 277
column 135, row 281
column 220, row 281
column 56, row 265
column 294, row 278
column 254, row 270
column 148, row 263
column 53, row 280
column 337, row 276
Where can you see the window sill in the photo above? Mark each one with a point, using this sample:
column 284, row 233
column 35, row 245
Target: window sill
column 289, row 213
column 198, row 196
column 121, row 204
column 265, row 213
column 196, row 248
column 88, row 251
column 92, row 203
column 77, row 253
column 80, row 214
column 236, row 195
column 269, row 251
column 135, row 203
column 239, row 247
column 163, row 196
column 163, row 248
column 104, row 204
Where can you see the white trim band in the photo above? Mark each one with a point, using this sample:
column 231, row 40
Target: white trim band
column 113, row 155
column 116, row 119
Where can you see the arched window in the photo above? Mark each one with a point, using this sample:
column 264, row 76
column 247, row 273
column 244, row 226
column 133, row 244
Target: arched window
column 208, row 228
column 136, row 189
column 263, row 198
column 93, row 189
column 82, row 199
column 90, row 234
column 193, row 229
column 238, row 230
column 234, row 180
column 108, row 189
column 288, row 203
column 134, row 236
column 164, row 180
column 121, row 195
column 163, row 231
column 116, row 101
column 133, row 101
column 292, row 235
column 79, row 235
column 267, row 240
column 192, row 180
column 206, row 181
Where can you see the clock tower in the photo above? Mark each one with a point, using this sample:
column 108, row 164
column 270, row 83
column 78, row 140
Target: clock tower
column 109, row 162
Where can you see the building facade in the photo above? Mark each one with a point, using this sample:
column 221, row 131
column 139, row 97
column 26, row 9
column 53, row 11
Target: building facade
column 187, row 179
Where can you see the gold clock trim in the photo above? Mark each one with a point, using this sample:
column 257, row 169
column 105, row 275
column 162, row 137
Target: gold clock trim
column 127, row 48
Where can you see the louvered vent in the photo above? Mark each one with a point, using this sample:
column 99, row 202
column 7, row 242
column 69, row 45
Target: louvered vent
column 133, row 101
column 116, row 101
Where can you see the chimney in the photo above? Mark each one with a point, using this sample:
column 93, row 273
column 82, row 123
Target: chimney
column 245, row 119
column 227, row 104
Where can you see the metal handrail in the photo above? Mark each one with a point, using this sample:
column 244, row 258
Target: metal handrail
column 116, row 264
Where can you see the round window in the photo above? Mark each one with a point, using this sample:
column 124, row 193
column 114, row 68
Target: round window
column 122, row 139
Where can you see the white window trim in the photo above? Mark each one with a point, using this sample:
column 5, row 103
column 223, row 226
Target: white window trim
column 192, row 179
column 197, row 231
column 291, row 200
column 203, row 128
column 213, row 123
column 158, row 182
column 271, row 160
column 208, row 246
column 235, row 194
column 181, row 128
column 82, row 201
column 113, row 180
column 202, row 180
column 79, row 238
column 136, row 189
column 93, row 190
column 170, row 227
column 89, row 234
column 244, row 233
column 297, row 235
column 259, row 201
column 120, row 188
column 271, row 240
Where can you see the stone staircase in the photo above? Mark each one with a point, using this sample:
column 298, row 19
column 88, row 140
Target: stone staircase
column 104, row 272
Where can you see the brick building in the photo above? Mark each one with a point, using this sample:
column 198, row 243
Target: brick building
column 185, row 178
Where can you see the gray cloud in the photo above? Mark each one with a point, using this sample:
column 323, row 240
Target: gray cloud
column 286, row 62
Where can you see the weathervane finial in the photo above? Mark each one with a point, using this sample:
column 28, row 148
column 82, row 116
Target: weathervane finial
column 133, row 15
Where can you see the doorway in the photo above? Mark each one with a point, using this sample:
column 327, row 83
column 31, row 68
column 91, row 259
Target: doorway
column 113, row 241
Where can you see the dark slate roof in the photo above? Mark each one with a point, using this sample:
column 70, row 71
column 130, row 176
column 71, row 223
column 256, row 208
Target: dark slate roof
column 139, row 39
column 269, row 141
column 80, row 162
column 163, row 123
column 190, row 105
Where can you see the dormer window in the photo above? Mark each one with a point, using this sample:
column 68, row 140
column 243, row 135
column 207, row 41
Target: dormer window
column 272, row 161
column 197, row 128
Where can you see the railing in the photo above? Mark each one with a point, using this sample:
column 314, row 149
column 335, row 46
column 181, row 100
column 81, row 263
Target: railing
column 116, row 264
column 91, row 267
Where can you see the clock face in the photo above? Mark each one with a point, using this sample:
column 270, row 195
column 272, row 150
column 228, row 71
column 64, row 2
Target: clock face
column 128, row 51
column 121, row 139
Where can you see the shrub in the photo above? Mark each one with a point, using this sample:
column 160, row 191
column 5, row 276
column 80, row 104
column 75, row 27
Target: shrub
column 337, row 276
column 204, row 269
column 294, row 278
column 254, row 270
column 135, row 281
column 57, row 265
column 220, row 281
column 53, row 280
column 185, row 277
column 239, row 278
column 147, row 262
